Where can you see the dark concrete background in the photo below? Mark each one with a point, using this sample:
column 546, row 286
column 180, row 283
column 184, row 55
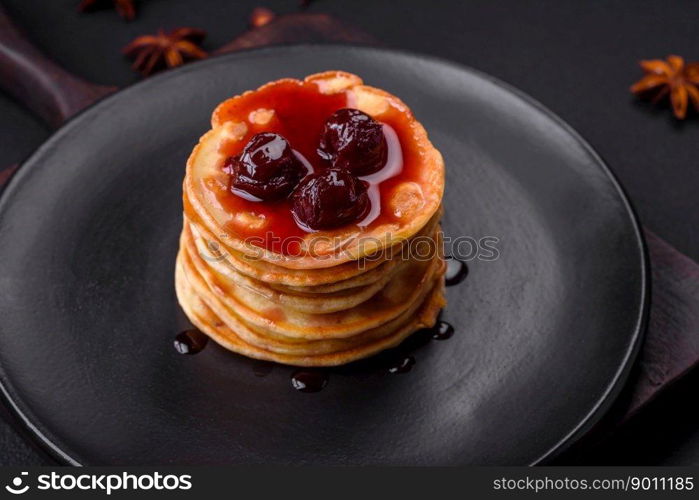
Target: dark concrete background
column 576, row 57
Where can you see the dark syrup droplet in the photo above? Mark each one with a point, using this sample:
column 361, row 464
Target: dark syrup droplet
column 262, row 368
column 190, row 341
column 309, row 380
column 457, row 270
column 442, row 330
column 402, row 365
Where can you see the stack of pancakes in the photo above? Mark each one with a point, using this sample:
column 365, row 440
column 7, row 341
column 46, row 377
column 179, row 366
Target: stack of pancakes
column 364, row 292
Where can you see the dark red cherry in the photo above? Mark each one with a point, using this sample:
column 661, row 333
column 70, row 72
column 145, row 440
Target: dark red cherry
column 329, row 199
column 267, row 169
column 355, row 141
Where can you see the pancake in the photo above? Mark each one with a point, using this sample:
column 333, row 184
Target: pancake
column 266, row 315
column 294, row 345
column 367, row 276
column 254, row 266
column 260, row 283
column 320, row 280
column 299, row 299
column 407, row 206
column 208, row 322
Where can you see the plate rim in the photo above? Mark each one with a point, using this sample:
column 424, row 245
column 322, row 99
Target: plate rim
column 617, row 381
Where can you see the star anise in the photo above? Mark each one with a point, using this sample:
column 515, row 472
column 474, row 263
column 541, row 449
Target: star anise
column 125, row 8
column 670, row 77
column 154, row 52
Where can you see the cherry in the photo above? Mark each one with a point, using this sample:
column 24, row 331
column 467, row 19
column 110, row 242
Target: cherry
column 329, row 199
column 267, row 168
column 355, row 141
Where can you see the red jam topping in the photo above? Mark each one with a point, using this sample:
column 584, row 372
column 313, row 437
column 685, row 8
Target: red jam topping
column 313, row 127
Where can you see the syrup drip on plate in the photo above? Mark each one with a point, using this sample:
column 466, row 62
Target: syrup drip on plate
column 442, row 330
column 457, row 270
column 190, row 341
column 309, row 380
column 402, row 365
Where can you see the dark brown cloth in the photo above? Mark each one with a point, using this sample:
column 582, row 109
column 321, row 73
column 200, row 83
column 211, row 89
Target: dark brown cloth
column 671, row 346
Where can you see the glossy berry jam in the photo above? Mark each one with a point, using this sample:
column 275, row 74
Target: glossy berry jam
column 300, row 113
column 267, row 168
column 329, row 199
column 354, row 141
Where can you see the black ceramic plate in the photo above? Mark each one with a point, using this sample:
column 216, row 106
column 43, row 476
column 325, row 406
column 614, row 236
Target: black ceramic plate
column 545, row 334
